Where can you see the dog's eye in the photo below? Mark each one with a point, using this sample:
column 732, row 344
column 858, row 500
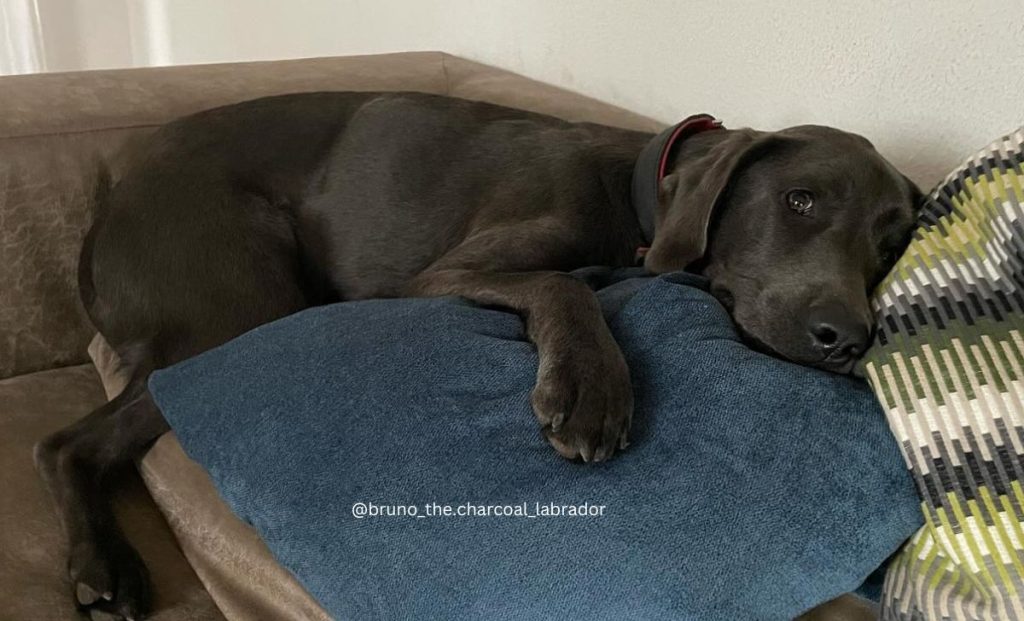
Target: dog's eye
column 800, row 201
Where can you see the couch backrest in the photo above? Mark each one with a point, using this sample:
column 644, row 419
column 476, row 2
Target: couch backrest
column 57, row 131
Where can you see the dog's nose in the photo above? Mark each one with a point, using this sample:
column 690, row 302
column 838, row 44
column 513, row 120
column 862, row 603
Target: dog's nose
column 839, row 334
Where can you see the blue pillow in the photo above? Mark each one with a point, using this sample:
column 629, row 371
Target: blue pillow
column 753, row 488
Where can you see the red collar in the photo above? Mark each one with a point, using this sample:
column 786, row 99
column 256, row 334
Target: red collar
column 651, row 167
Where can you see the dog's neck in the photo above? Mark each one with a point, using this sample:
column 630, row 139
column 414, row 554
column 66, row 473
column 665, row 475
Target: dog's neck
column 652, row 165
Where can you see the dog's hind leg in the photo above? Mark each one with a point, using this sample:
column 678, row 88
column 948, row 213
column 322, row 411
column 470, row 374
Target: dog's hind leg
column 109, row 580
column 169, row 270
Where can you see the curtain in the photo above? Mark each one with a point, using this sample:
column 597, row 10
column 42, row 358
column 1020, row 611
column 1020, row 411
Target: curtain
column 21, row 41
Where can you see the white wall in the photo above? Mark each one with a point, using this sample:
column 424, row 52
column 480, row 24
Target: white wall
column 927, row 81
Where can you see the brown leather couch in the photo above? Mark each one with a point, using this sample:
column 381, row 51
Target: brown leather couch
column 57, row 132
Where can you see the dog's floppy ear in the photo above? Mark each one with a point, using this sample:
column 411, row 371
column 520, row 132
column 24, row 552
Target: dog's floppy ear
column 688, row 196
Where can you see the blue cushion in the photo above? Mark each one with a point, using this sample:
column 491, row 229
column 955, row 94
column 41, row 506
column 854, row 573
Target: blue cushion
column 753, row 488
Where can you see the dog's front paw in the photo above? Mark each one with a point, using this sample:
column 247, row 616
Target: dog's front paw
column 109, row 580
column 585, row 403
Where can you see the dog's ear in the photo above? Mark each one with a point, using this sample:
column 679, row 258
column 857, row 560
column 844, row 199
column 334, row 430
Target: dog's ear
column 688, row 196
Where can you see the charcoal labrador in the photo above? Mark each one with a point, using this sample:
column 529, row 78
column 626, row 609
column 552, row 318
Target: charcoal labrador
column 240, row 215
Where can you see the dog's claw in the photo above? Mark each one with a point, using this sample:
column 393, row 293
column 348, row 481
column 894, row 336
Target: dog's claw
column 86, row 595
column 584, row 403
column 587, row 453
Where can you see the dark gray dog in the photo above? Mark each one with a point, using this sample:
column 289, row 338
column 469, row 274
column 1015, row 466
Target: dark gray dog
column 234, row 217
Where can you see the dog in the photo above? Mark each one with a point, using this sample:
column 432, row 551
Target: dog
column 240, row 215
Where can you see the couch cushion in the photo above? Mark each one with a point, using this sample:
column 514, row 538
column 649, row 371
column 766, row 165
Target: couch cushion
column 32, row 548
column 48, row 186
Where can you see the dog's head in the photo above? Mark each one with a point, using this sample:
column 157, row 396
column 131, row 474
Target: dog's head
column 792, row 228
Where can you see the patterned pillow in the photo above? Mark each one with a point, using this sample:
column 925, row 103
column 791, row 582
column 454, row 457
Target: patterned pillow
column 947, row 368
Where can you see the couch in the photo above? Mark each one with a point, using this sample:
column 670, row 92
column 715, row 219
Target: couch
column 58, row 134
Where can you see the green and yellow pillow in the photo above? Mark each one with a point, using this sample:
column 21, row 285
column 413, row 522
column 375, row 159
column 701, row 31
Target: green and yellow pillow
column 948, row 368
